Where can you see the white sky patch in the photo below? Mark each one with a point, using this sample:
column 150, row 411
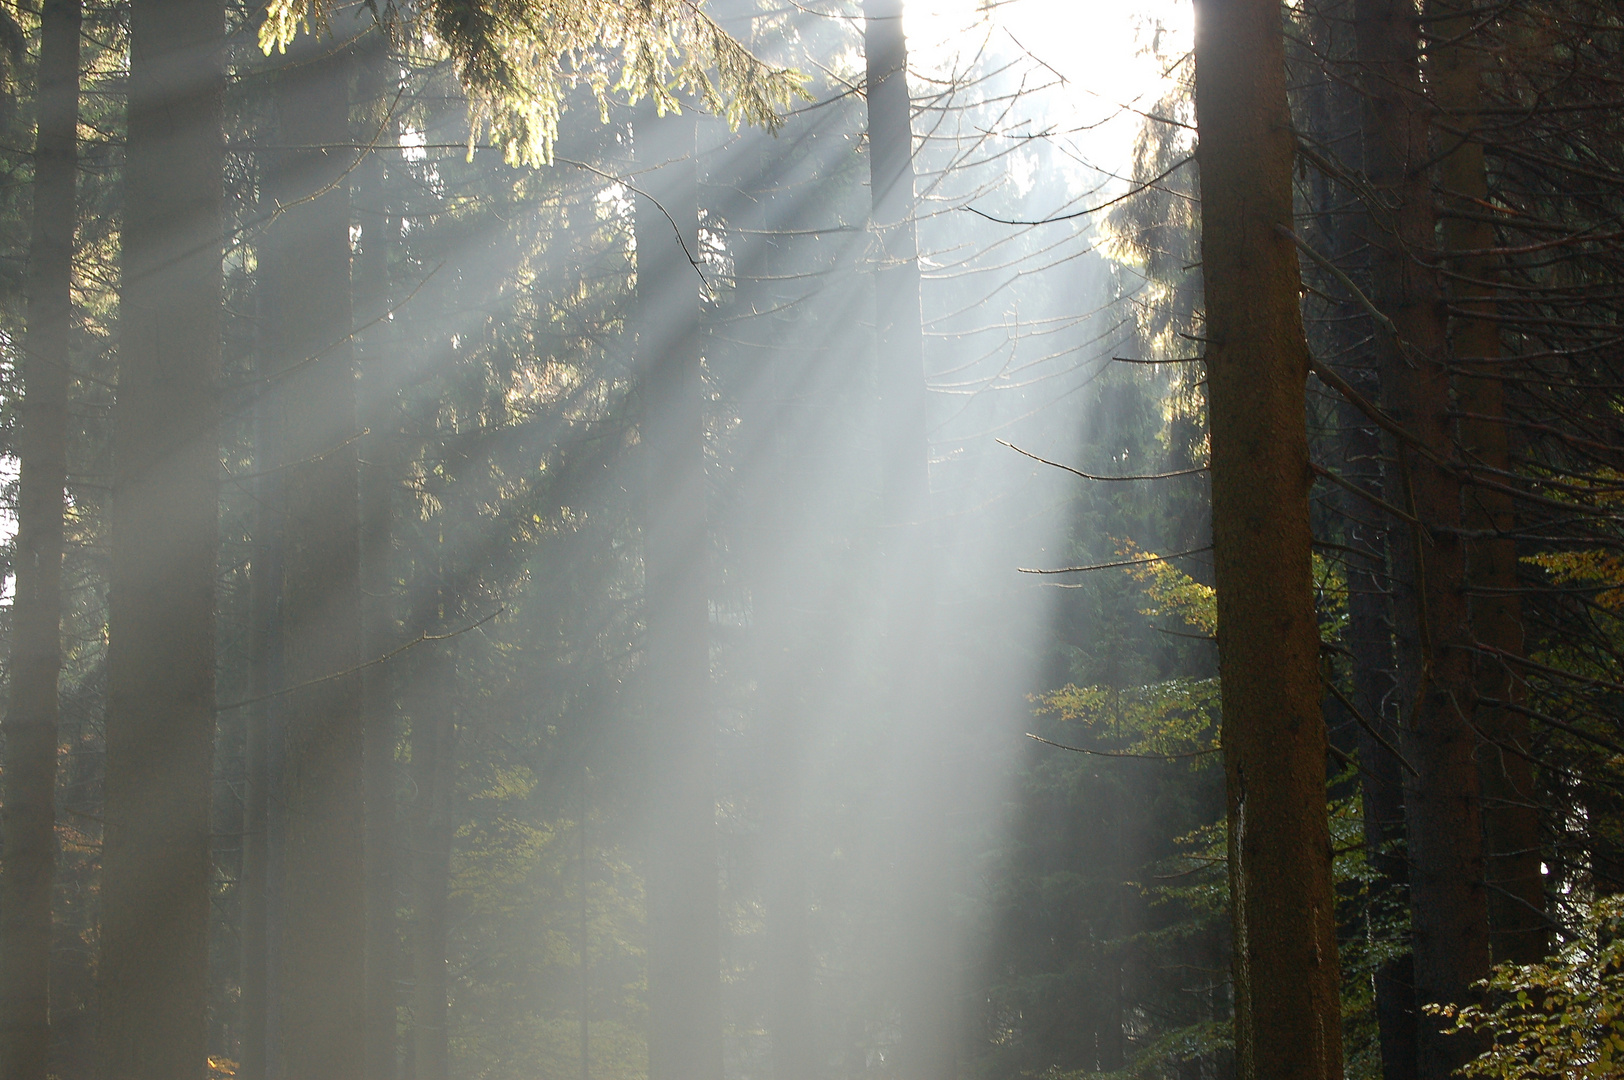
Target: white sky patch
column 1113, row 58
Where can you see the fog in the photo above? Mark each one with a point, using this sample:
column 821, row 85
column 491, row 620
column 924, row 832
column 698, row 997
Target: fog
column 702, row 477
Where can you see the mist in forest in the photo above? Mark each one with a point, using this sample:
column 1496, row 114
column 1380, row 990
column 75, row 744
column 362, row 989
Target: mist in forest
column 677, row 540
column 627, row 618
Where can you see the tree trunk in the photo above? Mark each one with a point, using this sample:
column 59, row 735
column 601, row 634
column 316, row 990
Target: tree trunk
column 779, row 526
column 1515, row 896
column 1368, row 636
column 308, row 279
column 434, row 735
column 262, row 821
column 28, row 812
column 1287, row 994
column 684, row 972
column 1370, row 643
column 379, row 387
column 160, row 721
column 1447, row 905
column 928, row 1050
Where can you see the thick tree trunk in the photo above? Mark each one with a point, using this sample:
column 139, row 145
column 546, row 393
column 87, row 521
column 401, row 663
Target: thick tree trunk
column 1287, row 994
column 28, row 811
column 160, row 663
column 1518, row 926
column 684, row 980
column 378, row 393
column 308, row 282
column 1447, row 904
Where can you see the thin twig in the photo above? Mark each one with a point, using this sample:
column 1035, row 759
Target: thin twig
column 1147, row 185
column 1091, row 476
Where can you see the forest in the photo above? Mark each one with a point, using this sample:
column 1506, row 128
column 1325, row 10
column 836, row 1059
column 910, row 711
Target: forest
column 811, row 539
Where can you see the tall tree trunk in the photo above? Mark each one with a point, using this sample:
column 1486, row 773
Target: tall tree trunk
column 308, row 267
column 684, row 959
column 434, row 736
column 1370, row 643
column 779, row 527
column 160, row 720
column 28, row 812
column 378, row 391
column 1368, row 634
column 1518, row 927
column 262, row 735
column 1449, row 918
column 929, row 1034
column 1287, row 994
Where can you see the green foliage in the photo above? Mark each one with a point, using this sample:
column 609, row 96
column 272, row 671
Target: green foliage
column 1175, row 718
column 1561, row 1018
column 1168, row 1055
column 518, row 59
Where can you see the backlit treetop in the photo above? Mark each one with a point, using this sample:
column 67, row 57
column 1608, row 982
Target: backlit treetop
column 517, row 58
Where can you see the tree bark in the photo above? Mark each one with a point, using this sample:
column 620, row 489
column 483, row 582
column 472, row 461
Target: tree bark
column 1287, row 994
column 1370, row 642
column 1449, row 919
column 308, row 266
column 160, row 665
column 1368, row 635
column 1518, row 927
column 28, row 812
column 684, row 958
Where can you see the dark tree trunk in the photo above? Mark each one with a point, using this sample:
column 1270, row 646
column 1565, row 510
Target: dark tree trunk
column 1370, row 643
column 28, row 811
column 1287, row 994
column 307, row 269
column 1368, row 636
column 160, row 721
column 379, row 447
column 1435, row 690
column 1515, row 887
column 684, row 979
